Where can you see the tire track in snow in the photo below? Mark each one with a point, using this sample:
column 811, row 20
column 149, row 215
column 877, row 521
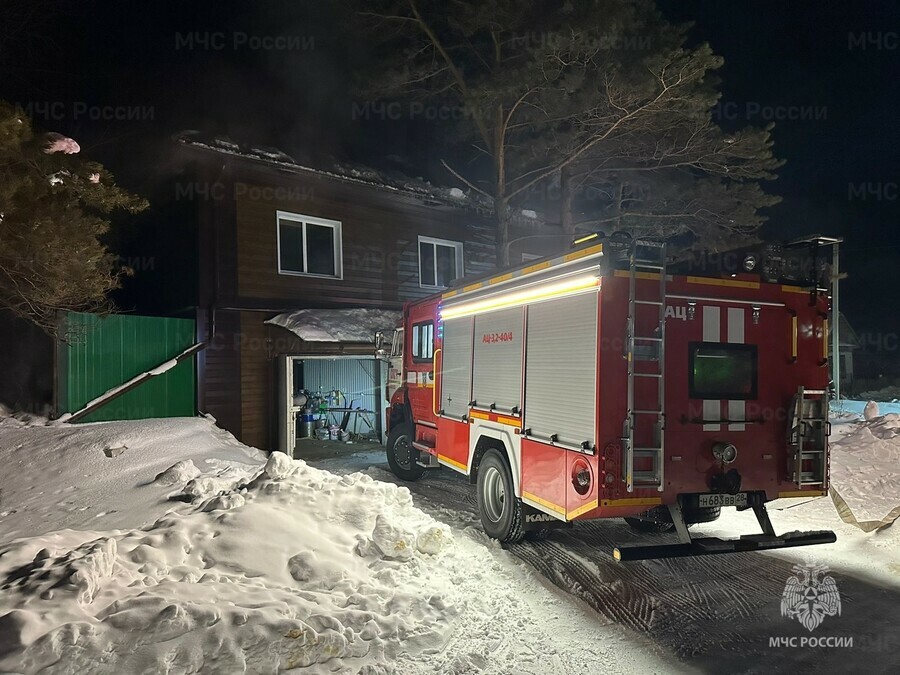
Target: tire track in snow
column 713, row 612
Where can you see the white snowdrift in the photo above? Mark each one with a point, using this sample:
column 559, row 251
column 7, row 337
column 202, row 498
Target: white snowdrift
column 78, row 476
column 865, row 471
column 866, row 466
column 296, row 568
column 265, row 568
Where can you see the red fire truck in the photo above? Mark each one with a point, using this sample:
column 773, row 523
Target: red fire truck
column 611, row 382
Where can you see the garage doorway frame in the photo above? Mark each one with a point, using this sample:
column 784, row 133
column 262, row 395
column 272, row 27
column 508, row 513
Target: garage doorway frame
column 287, row 412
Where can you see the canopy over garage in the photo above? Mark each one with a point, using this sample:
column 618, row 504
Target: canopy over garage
column 338, row 325
column 332, row 382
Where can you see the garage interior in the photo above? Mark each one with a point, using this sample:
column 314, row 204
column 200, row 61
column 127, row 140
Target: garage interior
column 336, row 404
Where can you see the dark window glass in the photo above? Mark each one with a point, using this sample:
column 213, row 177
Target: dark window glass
column 291, row 246
column 320, row 249
column 426, row 264
column 446, row 265
column 722, row 371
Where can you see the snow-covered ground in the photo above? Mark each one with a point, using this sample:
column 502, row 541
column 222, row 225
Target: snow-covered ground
column 865, row 472
column 165, row 546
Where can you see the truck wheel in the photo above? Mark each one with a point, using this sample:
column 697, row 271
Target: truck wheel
column 401, row 455
column 704, row 515
column 649, row 526
column 500, row 509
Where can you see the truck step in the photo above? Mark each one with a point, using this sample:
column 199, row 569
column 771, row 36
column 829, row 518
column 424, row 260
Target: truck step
column 713, row 545
column 428, row 461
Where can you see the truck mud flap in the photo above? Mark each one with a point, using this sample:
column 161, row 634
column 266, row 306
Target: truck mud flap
column 714, row 545
column 535, row 520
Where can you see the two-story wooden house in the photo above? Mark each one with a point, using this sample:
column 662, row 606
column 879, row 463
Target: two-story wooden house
column 289, row 256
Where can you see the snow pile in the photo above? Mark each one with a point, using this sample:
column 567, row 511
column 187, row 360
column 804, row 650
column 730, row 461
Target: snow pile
column 109, row 475
column 193, row 554
column 865, row 466
column 870, row 412
column 180, row 472
column 865, row 473
column 338, row 325
column 296, row 568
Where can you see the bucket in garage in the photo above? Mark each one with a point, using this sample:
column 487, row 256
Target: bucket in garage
column 333, row 432
column 307, row 423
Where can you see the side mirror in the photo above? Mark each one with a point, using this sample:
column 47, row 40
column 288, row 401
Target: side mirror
column 379, row 345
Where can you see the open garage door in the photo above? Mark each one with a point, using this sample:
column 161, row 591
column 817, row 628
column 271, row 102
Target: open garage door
column 343, row 392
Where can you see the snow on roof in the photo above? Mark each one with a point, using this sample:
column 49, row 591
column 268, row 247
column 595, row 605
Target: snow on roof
column 356, row 173
column 337, row 325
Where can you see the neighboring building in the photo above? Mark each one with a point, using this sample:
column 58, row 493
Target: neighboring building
column 275, row 237
column 848, row 343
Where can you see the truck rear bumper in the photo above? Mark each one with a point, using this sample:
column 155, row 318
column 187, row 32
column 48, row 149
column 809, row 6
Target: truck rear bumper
column 688, row 546
column 714, row 545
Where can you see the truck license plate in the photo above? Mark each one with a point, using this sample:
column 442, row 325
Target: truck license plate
column 740, row 499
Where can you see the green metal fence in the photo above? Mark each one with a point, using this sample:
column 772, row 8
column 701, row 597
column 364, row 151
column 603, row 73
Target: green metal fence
column 95, row 354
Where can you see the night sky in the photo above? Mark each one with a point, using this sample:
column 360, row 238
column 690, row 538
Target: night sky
column 825, row 72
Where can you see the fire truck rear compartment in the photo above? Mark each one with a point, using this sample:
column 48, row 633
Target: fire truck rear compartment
column 631, row 393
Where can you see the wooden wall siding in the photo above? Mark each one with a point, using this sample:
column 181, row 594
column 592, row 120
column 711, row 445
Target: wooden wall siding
column 380, row 242
column 217, row 239
column 219, row 366
column 257, row 394
column 482, row 246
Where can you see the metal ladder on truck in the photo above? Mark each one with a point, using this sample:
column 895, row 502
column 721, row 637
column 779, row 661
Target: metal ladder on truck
column 808, row 433
column 647, row 259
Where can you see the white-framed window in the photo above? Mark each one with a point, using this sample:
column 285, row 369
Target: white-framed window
column 309, row 246
column 440, row 262
column 423, row 341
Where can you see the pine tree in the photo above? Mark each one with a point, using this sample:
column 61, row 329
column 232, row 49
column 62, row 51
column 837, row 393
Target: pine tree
column 53, row 208
column 602, row 94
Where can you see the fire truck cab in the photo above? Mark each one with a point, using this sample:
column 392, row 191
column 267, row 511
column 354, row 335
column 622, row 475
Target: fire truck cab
column 611, row 382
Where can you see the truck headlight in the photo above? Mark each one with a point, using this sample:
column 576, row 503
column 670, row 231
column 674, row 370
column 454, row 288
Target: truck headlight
column 750, row 262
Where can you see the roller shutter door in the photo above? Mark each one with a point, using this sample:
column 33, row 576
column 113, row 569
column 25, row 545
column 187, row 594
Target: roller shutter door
column 456, row 367
column 561, row 358
column 497, row 371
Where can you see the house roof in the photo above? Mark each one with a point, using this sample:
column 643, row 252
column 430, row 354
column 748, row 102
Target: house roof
column 847, row 337
column 392, row 181
column 337, row 325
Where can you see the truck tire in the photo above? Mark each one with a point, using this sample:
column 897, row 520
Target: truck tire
column 691, row 517
column 401, row 455
column 705, row 515
column 649, row 526
column 498, row 506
